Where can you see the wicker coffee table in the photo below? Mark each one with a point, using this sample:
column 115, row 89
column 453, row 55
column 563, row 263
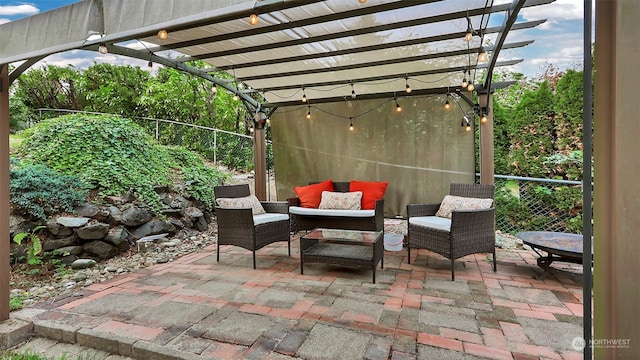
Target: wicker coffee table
column 352, row 248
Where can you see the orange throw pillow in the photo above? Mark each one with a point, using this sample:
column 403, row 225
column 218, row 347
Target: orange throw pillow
column 371, row 191
column 311, row 195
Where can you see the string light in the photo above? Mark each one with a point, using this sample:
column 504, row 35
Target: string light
column 470, row 87
column 482, row 55
column 469, row 35
column 407, row 87
column 464, row 78
column 362, row 1
column 304, row 96
column 163, row 34
column 353, row 92
column 447, row 105
column 253, row 19
column 398, row 107
column 236, row 97
column 350, row 124
column 484, row 115
column 214, row 89
column 309, row 112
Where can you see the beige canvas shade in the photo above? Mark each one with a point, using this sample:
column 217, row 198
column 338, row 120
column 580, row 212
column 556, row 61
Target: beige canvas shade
column 322, row 49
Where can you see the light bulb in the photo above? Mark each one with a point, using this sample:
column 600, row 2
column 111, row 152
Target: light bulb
column 253, row 19
column 468, row 128
column 163, row 34
column 408, row 89
column 447, row 106
column 470, row 87
column 482, row 55
column 351, row 127
column 362, row 1
column 236, row 97
column 102, row 49
column 304, row 98
column 468, row 36
column 483, row 118
column 398, row 108
column 464, row 82
column 309, row 114
column 214, row 89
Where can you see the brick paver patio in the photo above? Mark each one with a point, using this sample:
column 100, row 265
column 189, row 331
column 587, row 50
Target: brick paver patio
column 195, row 308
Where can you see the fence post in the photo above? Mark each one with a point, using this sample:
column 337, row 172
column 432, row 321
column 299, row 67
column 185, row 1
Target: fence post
column 215, row 146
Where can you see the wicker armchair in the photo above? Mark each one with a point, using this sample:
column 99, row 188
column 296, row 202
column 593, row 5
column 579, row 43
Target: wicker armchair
column 469, row 232
column 240, row 227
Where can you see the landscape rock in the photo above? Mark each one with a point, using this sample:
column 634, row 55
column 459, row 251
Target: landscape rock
column 73, row 222
column 83, row 264
column 88, row 210
column 115, row 215
column 193, row 212
column 136, row 216
column 93, row 231
column 200, row 224
column 117, row 235
column 54, row 244
column 58, row 229
column 70, row 250
column 100, row 249
column 153, row 227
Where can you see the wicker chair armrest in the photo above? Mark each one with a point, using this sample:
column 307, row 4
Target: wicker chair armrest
column 234, row 218
column 281, row 207
column 294, row 201
column 379, row 215
column 478, row 222
column 422, row 210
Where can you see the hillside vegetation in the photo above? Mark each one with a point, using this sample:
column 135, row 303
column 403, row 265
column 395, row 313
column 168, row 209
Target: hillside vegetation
column 110, row 155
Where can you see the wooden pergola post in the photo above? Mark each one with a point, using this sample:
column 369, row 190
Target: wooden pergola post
column 4, row 192
column 486, row 139
column 260, row 156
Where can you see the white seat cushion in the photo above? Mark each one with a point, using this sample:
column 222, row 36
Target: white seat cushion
column 269, row 217
column 435, row 222
column 297, row 210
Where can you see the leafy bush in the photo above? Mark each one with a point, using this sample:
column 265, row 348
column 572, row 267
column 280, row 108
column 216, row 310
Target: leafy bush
column 37, row 191
column 116, row 156
column 198, row 178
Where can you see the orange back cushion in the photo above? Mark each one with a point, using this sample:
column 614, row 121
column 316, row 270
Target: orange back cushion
column 371, row 191
column 311, row 195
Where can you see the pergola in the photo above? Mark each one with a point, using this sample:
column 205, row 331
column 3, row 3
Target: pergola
column 280, row 53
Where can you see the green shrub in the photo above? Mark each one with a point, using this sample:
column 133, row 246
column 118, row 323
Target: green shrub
column 111, row 153
column 116, row 156
column 198, row 178
column 37, row 191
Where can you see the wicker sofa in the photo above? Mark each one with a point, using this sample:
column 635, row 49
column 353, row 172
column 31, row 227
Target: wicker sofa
column 304, row 219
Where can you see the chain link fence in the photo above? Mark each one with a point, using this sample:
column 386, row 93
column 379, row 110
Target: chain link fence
column 230, row 149
column 522, row 204
column 531, row 204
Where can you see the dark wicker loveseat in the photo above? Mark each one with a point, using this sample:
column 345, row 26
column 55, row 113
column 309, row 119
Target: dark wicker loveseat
column 331, row 218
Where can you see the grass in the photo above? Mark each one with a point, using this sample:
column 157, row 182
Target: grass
column 24, row 356
column 14, row 140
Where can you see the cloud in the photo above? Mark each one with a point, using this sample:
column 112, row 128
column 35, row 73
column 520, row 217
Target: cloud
column 559, row 10
column 4, row 21
column 13, row 10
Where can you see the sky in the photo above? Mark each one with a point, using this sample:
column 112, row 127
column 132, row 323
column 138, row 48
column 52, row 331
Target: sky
column 558, row 41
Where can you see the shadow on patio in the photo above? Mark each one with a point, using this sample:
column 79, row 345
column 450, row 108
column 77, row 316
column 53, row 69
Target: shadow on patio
column 196, row 308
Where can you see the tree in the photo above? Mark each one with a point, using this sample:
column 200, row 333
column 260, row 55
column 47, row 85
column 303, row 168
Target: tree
column 114, row 89
column 531, row 131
